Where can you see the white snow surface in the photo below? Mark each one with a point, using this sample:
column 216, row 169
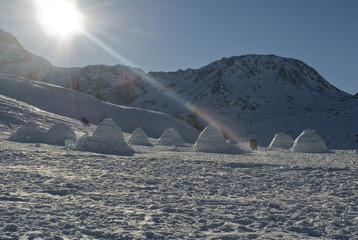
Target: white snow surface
column 310, row 142
column 161, row 192
column 282, row 140
column 211, row 140
column 107, row 138
column 171, row 137
column 139, row 137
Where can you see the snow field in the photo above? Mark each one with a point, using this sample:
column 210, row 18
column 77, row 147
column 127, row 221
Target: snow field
column 166, row 192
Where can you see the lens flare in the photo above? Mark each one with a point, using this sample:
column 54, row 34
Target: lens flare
column 60, row 18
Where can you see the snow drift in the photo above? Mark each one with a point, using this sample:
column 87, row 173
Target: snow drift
column 309, row 142
column 171, row 137
column 107, row 138
column 281, row 140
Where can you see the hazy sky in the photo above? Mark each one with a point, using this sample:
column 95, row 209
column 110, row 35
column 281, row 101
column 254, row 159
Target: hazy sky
column 167, row 35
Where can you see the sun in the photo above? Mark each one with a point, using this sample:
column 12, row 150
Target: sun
column 59, row 18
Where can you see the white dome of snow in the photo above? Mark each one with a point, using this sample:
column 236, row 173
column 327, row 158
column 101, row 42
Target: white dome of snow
column 309, row 142
column 107, row 138
column 281, row 140
column 139, row 137
column 29, row 132
column 211, row 140
column 59, row 133
column 171, row 137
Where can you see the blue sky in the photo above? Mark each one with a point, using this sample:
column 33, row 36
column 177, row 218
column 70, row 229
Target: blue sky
column 167, row 35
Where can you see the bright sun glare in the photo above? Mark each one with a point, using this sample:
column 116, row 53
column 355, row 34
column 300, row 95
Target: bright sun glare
column 60, row 18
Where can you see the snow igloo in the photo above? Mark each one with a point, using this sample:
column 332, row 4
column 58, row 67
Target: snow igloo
column 139, row 137
column 59, row 133
column 107, row 139
column 28, row 133
column 309, row 142
column 211, row 140
column 171, row 137
column 281, row 140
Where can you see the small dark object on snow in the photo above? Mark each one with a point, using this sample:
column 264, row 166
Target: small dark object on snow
column 85, row 120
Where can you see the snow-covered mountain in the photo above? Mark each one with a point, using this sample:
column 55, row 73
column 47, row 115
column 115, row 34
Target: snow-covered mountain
column 250, row 96
column 16, row 60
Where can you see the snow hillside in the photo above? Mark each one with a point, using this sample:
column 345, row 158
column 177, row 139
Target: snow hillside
column 77, row 105
column 14, row 59
column 15, row 114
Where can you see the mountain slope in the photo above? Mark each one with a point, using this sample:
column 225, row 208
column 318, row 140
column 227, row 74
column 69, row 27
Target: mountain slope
column 16, row 60
column 77, row 105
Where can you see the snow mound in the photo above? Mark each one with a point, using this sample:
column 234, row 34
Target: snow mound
column 139, row 137
column 59, row 133
column 281, row 140
column 28, row 133
column 309, row 142
column 171, row 137
column 212, row 140
column 107, row 138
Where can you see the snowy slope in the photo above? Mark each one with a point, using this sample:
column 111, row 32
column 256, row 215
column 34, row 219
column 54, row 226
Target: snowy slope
column 257, row 96
column 14, row 113
column 16, row 60
column 77, row 105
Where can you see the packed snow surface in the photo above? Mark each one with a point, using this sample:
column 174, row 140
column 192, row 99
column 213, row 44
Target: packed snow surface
column 211, row 140
column 139, row 137
column 281, row 140
column 171, row 137
column 107, row 138
column 163, row 192
column 310, row 142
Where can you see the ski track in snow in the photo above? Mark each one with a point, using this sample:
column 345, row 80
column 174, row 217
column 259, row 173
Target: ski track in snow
column 47, row 192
